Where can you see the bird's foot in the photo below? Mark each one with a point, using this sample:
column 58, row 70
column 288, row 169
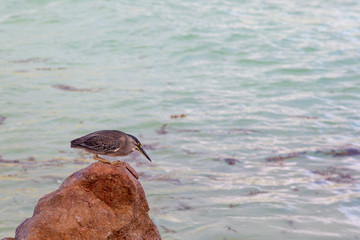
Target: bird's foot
column 115, row 163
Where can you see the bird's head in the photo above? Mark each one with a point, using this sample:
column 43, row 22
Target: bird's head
column 137, row 146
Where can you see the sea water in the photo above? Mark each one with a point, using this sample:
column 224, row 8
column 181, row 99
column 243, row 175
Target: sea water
column 248, row 109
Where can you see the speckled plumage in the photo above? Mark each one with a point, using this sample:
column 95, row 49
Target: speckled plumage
column 109, row 142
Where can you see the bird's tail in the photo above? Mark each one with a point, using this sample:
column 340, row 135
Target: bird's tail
column 75, row 143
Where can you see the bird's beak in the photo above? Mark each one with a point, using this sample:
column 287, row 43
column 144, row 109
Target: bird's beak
column 140, row 149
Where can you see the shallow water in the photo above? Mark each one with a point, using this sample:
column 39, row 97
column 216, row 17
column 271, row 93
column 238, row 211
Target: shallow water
column 268, row 145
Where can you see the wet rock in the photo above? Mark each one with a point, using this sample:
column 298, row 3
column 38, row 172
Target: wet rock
column 8, row 161
column 101, row 201
column 342, row 151
column 162, row 130
column 178, row 115
column 2, row 119
column 228, row 228
column 184, row 207
column 281, row 158
column 336, row 174
column 233, row 205
column 231, row 161
column 73, row 89
column 228, row 161
column 256, row 192
column 346, row 152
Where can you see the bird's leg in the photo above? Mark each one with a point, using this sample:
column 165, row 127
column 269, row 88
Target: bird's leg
column 114, row 163
column 96, row 157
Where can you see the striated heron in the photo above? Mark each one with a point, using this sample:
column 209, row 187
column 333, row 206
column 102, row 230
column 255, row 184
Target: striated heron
column 109, row 142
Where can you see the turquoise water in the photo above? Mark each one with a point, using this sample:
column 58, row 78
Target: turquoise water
column 268, row 145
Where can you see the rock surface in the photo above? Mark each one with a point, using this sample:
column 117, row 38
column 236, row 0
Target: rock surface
column 101, row 201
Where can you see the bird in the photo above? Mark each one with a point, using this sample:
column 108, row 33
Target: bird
column 113, row 143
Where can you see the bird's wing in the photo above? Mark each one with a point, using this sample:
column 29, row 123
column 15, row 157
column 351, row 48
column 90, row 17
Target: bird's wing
column 102, row 143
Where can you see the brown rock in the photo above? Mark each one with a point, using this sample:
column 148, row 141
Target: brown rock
column 98, row 202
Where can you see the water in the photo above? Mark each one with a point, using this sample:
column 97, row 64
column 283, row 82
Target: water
column 268, row 147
